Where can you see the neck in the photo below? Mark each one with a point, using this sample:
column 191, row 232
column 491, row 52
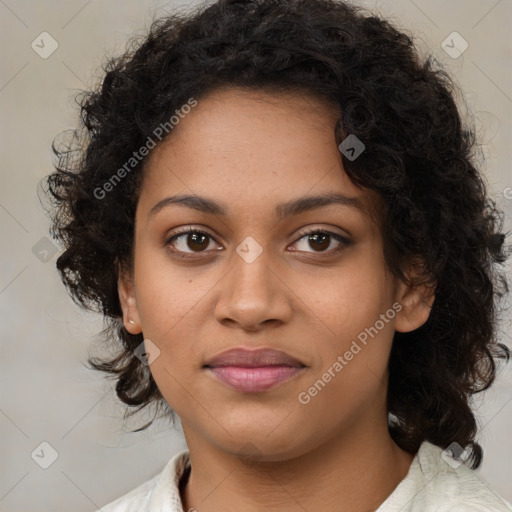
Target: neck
column 355, row 472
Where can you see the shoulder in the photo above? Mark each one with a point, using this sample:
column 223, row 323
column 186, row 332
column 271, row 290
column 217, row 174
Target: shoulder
column 436, row 482
column 160, row 493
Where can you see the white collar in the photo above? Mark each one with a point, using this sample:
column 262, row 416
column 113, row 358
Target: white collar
column 430, row 484
column 166, row 494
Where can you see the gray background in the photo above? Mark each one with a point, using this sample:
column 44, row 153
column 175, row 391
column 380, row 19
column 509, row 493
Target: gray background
column 47, row 393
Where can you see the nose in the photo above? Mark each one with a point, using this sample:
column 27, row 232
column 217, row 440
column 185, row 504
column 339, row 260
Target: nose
column 253, row 294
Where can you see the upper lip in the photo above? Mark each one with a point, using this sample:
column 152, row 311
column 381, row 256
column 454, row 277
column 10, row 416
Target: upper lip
column 251, row 358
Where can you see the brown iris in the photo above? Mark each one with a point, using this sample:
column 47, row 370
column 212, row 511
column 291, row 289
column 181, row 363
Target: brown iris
column 200, row 239
column 319, row 239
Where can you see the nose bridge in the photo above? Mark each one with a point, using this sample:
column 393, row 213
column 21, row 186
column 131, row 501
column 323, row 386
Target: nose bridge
column 251, row 265
column 251, row 293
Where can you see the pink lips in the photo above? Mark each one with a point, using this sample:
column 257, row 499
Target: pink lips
column 253, row 370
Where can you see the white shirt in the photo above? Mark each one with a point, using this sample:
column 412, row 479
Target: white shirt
column 431, row 485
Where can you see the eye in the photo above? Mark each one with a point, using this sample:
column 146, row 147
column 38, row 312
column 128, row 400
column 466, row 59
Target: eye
column 194, row 239
column 321, row 240
column 189, row 241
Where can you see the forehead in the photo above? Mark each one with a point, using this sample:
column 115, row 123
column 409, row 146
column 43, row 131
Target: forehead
column 252, row 146
column 241, row 118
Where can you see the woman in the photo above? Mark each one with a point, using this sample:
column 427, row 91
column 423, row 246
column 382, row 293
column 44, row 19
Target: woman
column 277, row 212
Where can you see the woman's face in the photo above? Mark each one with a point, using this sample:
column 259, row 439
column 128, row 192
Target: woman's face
column 258, row 280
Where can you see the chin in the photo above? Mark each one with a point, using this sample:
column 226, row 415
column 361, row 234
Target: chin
column 265, row 445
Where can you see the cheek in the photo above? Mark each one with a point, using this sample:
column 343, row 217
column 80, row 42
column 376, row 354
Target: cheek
column 348, row 300
column 168, row 296
column 355, row 321
column 352, row 359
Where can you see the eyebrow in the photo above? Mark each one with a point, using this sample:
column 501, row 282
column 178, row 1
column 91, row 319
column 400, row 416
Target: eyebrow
column 283, row 210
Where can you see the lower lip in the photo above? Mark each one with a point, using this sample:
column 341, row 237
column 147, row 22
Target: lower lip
column 254, row 379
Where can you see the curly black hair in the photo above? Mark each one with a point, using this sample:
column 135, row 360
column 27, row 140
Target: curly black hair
column 419, row 157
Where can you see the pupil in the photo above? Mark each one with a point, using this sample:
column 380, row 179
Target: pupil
column 195, row 237
column 316, row 238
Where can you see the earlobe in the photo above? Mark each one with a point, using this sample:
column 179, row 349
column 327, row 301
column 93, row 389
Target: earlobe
column 128, row 302
column 416, row 305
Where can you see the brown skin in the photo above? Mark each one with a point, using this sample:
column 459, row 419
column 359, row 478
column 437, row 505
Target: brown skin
column 266, row 450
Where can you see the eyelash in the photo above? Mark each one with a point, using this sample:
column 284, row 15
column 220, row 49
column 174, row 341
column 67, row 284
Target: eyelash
column 344, row 242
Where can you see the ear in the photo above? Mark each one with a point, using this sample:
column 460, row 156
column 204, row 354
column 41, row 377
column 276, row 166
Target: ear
column 127, row 298
column 416, row 302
